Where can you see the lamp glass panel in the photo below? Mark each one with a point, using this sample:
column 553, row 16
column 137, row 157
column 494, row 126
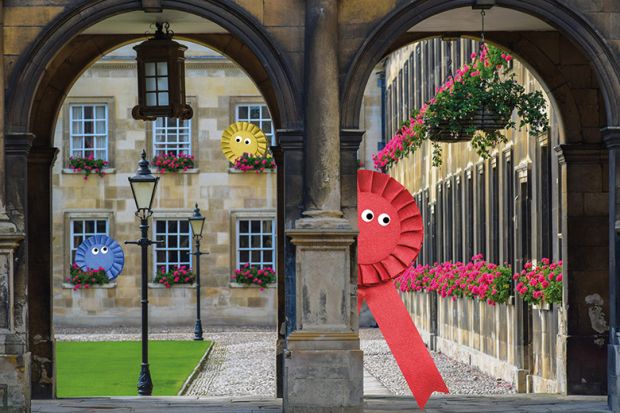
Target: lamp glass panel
column 162, row 83
column 162, row 68
column 163, row 98
column 143, row 193
column 149, row 69
column 196, row 226
column 151, row 84
column 151, row 99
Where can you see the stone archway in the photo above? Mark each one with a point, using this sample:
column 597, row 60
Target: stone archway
column 37, row 88
column 583, row 151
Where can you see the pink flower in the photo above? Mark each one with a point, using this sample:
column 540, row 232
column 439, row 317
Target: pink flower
column 558, row 277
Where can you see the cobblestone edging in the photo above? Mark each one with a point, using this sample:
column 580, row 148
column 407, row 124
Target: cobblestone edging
column 197, row 370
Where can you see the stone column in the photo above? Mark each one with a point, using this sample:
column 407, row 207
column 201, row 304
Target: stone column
column 289, row 157
column 584, row 329
column 14, row 352
column 323, row 369
column 322, row 115
column 612, row 139
column 41, row 336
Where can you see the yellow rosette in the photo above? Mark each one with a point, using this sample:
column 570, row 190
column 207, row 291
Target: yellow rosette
column 242, row 137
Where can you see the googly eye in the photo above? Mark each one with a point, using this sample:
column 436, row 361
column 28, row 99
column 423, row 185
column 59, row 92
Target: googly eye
column 104, row 250
column 247, row 141
column 238, row 139
column 384, row 219
column 367, row 215
column 95, row 251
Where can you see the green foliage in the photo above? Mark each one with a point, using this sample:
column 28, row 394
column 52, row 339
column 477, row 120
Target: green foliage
column 87, row 165
column 86, row 278
column 175, row 275
column 258, row 163
column 252, row 274
column 484, row 86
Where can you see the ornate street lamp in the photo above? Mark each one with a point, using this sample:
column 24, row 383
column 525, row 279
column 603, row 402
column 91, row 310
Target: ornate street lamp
column 197, row 222
column 161, row 77
column 143, row 186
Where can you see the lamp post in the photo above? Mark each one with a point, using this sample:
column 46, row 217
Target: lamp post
column 143, row 186
column 197, row 222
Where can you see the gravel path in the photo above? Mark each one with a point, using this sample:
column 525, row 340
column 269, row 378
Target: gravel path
column 459, row 377
column 242, row 361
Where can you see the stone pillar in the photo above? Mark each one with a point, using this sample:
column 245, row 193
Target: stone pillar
column 612, row 139
column 584, row 330
column 322, row 115
column 14, row 352
column 323, row 369
column 289, row 157
column 41, row 337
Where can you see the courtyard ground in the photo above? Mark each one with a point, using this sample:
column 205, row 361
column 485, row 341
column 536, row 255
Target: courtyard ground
column 242, row 362
column 242, row 367
column 516, row 403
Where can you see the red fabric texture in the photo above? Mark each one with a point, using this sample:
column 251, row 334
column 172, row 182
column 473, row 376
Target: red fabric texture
column 386, row 247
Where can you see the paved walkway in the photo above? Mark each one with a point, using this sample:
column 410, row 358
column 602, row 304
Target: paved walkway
column 437, row 404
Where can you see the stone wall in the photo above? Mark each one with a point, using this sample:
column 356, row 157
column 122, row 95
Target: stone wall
column 214, row 86
column 482, row 336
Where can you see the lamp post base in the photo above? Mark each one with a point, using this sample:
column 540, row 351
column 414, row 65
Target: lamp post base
column 198, row 331
column 145, row 385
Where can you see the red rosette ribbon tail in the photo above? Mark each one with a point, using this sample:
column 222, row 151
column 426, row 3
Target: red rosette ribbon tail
column 390, row 238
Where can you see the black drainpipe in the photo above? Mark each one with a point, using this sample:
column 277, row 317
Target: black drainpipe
column 381, row 85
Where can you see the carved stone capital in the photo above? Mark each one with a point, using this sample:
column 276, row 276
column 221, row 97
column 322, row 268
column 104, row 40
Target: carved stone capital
column 581, row 153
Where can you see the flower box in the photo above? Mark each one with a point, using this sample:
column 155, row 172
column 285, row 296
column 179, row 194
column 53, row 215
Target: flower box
column 239, row 285
column 158, row 286
column 540, row 284
column 69, row 286
column 186, row 171
column 173, row 163
column 87, row 166
column 176, row 275
column 543, row 307
column 253, row 275
column 255, row 163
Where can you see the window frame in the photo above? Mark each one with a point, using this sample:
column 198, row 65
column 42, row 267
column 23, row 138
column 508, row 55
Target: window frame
column 245, row 214
column 179, row 217
column 508, row 208
column 166, row 128
column 236, row 101
column 74, row 215
column 469, row 214
column 66, row 137
column 95, row 136
column 481, row 207
column 494, row 211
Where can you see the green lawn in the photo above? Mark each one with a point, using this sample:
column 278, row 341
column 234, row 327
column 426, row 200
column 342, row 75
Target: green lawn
column 111, row 368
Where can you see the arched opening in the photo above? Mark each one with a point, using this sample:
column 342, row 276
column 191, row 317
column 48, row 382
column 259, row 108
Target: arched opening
column 42, row 83
column 564, row 60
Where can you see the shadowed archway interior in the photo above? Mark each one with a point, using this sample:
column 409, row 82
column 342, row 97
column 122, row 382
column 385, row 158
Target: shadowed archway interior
column 39, row 85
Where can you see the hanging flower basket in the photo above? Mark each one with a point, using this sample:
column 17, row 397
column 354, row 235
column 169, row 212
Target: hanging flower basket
column 487, row 120
column 473, row 105
column 484, row 119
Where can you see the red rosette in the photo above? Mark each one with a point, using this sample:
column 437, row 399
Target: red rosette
column 385, row 249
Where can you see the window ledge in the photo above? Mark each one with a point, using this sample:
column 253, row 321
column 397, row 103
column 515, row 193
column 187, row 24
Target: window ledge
column 189, row 171
column 239, row 285
column 543, row 307
column 237, row 171
column 70, row 171
column 159, row 286
column 69, row 286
